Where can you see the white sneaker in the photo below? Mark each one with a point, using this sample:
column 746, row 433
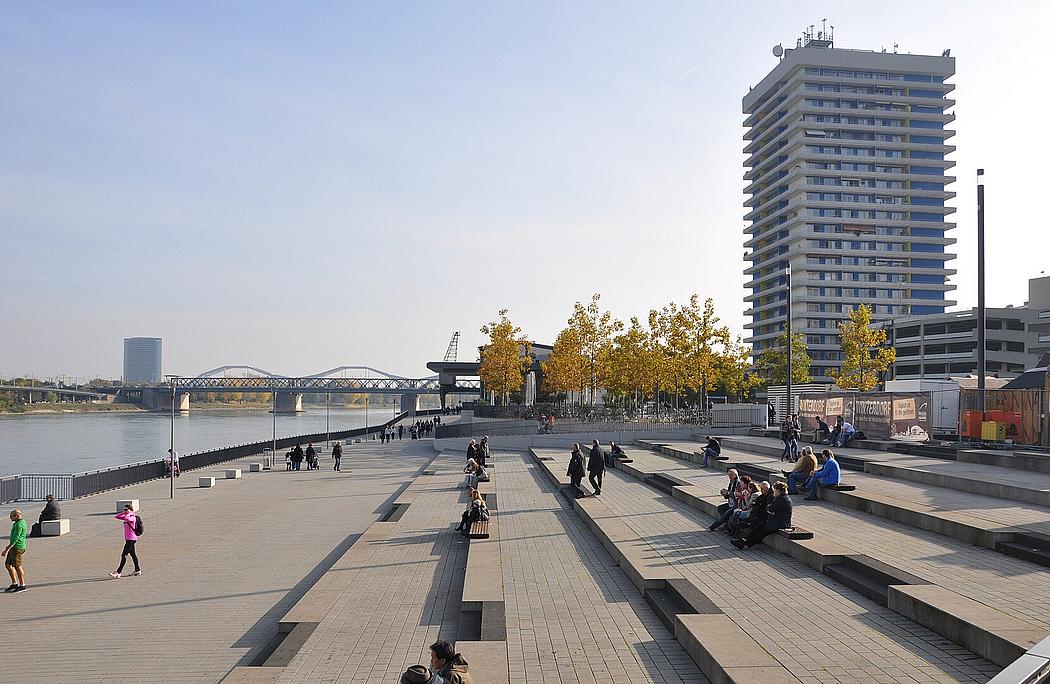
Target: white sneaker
column 115, row 574
column 136, row 573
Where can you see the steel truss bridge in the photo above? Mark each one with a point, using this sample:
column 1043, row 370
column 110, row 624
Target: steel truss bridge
column 341, row 380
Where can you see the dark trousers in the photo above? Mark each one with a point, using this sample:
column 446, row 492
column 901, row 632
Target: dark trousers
column 129, row 550
column 757, row 536
column 336, row 466
column 595, row 478
column 726, row 511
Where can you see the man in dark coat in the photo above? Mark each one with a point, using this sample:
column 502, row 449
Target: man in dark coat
column 52, row 511
column 596, row 467
column 576, row 470
column 483, row 451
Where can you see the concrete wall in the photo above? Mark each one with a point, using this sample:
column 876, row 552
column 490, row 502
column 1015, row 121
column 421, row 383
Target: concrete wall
column 566, row 440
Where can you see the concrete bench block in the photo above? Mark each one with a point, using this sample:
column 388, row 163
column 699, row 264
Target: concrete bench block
column 54, row 528
column 121, row 503
column 488, row 660
column 233, row 474
column 205, row 481
column 255, row 467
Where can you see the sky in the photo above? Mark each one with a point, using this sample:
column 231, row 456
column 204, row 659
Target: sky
column 304, row 187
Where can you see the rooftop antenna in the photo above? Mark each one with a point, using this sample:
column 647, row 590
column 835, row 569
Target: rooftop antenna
column 452, row 353
column 895, row 46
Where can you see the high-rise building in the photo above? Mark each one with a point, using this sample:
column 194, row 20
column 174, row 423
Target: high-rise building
column 142, row 360
column 846, row 177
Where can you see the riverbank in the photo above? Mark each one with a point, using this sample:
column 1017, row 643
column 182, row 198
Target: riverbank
column 68, row 408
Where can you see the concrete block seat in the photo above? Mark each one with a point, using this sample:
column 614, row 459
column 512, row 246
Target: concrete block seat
column 205, row 481
column 255, row 467
column 54, row 528
column 121, row 503
column 233, row 474
column 840, row 487
column 479, row 529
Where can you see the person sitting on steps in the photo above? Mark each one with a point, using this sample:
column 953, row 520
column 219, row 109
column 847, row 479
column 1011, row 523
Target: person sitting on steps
column 713, row 449
column 475, row 511
column 804, row 468
column 829, row 474
column 778, row 518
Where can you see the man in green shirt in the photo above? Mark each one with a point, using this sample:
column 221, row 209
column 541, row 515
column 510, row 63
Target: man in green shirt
column 13, row 553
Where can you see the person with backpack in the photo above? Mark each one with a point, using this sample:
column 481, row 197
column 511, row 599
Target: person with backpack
column 337, row 454
column 132, row 531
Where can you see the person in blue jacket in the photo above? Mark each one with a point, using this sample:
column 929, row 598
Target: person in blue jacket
column 828, row 474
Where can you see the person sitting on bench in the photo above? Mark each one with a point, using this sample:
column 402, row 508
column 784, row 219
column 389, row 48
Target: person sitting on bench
column 52, row 511
column 804, row 469
column 778, row 518
column 822, row 433
column 743, row 512
column 713, row 449
column 828, row 475
column 846, row 433
column 614, row 452
column 475, row 511
column 471, row 469
column 756, row 515
column 725, row 511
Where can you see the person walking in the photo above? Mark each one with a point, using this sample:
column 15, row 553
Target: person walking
column 791, row 431
column 596, row 467
column 311, row 457
column 132, row 529
column 337, row 455
column 173, row 462
column 483, row 451
column 16, row 547
column 297, row 457
column 576, row 470
column 472, row 450
column 400, row 432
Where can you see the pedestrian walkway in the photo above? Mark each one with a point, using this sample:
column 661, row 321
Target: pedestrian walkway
column 401, row 596
column 818, row 630
column 572, row 614
column 1001, row 582
column 221, row 566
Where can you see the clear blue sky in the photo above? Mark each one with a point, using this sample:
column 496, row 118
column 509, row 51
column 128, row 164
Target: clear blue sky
column 301, row 188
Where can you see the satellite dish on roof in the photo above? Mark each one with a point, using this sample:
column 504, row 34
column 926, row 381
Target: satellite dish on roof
column 778, row 50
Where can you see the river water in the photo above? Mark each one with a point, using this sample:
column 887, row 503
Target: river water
column 74, row 443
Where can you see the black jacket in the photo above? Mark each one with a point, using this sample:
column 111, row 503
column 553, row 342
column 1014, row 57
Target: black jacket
column 52, row 511
column 595, row 460
column 779, row 513
column 472, row 451
column 714, row 445
column 760, row 509
column 575, row 465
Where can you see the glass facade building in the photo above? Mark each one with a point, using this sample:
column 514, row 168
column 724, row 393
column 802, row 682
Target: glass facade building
column 846, row 183
column 142, row 360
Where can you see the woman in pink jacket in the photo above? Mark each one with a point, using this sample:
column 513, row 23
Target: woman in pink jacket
column 128, row 517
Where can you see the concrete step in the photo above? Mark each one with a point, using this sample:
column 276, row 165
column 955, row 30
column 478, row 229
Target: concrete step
column 1027, row 547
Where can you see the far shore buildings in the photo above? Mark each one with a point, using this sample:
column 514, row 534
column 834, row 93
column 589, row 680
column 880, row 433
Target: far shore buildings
column 142, row 360
column 847, row 177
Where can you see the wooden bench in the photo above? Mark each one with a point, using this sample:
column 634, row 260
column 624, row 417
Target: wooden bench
column 479, row 529
column 840, row 487
column 795, row 533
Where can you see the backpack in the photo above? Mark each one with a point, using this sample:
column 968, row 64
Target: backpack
column 138, row 525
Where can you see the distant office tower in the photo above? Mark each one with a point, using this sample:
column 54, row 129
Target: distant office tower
column 846, row 175
column 142, row 360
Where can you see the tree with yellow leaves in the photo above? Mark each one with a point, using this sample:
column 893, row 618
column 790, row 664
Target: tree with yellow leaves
column 563, row 369
column 632, row 362
column 864, row 355
column 505, row 359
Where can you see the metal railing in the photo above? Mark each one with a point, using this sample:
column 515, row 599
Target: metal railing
column 528, row 427
column 34, row 487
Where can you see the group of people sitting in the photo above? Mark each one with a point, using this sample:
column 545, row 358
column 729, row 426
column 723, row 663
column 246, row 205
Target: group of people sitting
column 476, row 511
column 839, row 436
column 475, row 473
column 752, row 510
column 812, row 473
column 446, row 667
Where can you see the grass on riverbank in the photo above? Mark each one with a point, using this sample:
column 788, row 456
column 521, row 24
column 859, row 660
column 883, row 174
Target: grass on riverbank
column 67, row 407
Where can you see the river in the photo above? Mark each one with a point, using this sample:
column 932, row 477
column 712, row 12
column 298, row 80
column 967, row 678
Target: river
column 73, row 443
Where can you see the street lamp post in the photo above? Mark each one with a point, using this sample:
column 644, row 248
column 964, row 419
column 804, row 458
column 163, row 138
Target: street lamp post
column 787, row 273
column 327, row 424
column 366, row 417
column 273, row 449
column 171, row 440
column 981, row 312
